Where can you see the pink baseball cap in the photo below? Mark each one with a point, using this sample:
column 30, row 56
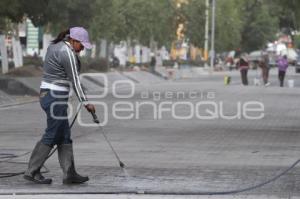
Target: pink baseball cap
column 80, row 34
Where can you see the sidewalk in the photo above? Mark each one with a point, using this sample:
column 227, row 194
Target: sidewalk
column 199, row 72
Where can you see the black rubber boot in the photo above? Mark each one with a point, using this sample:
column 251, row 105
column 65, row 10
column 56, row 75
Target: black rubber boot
column 66, row 160
column 38, row 157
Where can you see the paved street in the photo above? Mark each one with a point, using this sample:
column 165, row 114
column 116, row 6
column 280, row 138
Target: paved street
column 165, row 155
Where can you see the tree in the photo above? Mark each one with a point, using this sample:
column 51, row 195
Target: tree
column 11, row 9
column 259, row 25
column 107, row 22
column 297, row 41
column 288, row 12
column 194, row 13
column 248, row 24
column 141, row 20
column 228, row 25
column 68, row 13
column 36, row 11
column 12, row 13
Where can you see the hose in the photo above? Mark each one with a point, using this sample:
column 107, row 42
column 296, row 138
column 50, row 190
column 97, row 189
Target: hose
column 9, row 156
column 229, row 191
column 176, row 192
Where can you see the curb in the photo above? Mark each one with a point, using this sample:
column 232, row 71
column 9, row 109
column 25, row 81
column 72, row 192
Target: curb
column 18, row 103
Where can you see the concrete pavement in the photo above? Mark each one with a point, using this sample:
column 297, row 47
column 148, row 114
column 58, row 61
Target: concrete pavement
column 140, row 196
column 169, row 155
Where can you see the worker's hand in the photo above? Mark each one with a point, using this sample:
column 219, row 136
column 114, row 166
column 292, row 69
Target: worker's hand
column 90, row 108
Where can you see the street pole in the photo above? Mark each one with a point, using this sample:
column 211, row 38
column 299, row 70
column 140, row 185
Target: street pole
column 212, row 50
column 206, row 33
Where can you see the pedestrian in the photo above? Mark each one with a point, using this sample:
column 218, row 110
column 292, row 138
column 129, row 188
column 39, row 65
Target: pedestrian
column 152, row 62
column 265, row 68
column 60, row 70
column 115, row 62
column 243, row 65
column 282, row 63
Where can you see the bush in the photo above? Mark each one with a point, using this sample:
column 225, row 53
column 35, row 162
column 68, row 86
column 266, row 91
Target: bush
column 128, row 64
column 197, row 62
column 99, row 64
column 168, row 63
column 32, row 61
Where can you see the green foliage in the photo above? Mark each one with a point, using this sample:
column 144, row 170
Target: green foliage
column 149, row 20
column 36, row 10
column 12, row 9
column 68, row 13
column 141, row 20
column 297, row 41
column 259, row 25
column 228, row 25
column 288, row 12
column 107, row 22
column 246, row 24
column 194, row 13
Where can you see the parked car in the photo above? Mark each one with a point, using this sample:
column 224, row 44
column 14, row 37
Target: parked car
column 291, row 55
column 256, row 56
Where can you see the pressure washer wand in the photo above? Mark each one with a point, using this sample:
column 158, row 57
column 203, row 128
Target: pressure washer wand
column 96, row 120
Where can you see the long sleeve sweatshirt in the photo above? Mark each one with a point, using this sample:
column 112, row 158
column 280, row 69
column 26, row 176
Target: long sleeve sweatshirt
column 61, row 68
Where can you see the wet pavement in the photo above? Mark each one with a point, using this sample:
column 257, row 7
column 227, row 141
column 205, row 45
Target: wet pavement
column 168, row 157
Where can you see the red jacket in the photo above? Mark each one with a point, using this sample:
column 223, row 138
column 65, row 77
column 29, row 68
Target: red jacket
column 243, row 64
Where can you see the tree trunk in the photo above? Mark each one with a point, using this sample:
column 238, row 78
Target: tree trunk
column 97, row 53
column 107, row 55
column 103, row 50
column 17, row 49
column 3, row 52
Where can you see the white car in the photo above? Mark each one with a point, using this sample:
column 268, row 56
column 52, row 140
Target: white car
column 291, row 55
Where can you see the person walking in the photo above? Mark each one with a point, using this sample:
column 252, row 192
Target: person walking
column 60, row 72
column 243, row 65
column 282, row 63
column 265, row 68
column 152, row 62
